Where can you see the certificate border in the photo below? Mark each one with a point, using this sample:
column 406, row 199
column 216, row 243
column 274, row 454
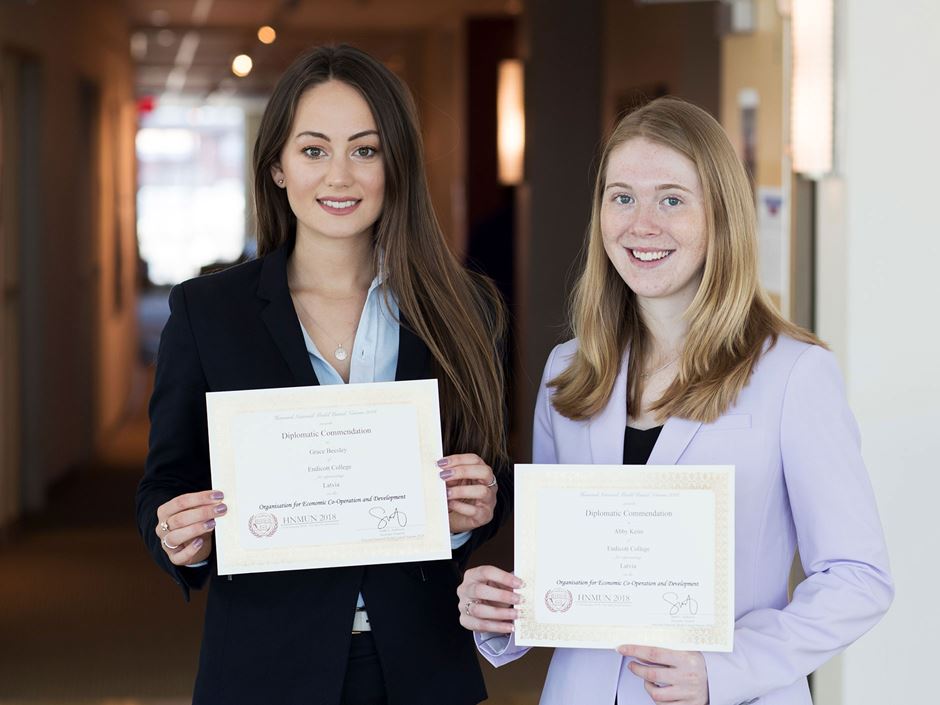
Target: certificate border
column 233, row 558
column 718, row 479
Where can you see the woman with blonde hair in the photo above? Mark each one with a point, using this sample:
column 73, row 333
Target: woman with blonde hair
column 680, row 358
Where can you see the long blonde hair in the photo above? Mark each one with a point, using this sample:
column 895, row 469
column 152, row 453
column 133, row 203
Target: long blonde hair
column 730, row 319
column 458, row 314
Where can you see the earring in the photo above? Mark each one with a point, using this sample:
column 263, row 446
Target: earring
column 280, row 182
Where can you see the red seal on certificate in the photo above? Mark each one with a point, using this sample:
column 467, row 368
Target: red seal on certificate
column 262, row 524
column 558, row 600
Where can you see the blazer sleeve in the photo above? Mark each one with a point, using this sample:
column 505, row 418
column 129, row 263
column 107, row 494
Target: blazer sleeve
column 178, row 455
column 848, row 587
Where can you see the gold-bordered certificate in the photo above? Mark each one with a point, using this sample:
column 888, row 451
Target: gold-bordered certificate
column 614, row 554
column 326, row 476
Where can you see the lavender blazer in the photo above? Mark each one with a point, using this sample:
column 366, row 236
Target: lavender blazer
column 799, row 482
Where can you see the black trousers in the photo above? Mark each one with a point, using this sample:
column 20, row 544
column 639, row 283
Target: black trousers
column 364, row 683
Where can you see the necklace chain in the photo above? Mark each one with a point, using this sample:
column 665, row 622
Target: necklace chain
column 646, row 375
column 340, row 352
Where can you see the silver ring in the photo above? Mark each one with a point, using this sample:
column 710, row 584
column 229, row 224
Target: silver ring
column 470, row 603
column 493, row 483
column 164, row 527
column 172, row 548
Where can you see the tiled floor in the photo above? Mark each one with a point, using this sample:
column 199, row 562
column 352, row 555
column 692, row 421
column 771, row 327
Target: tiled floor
column 87, row 619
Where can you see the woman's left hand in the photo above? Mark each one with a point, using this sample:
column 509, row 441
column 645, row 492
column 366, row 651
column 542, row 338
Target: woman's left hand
column 471, row 491
column 670, row 676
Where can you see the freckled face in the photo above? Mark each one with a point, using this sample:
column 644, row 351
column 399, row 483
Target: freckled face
column 653, row 220
column 332, row 165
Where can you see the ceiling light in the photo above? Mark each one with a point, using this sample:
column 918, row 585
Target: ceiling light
column 241, row 65
column 267, row 35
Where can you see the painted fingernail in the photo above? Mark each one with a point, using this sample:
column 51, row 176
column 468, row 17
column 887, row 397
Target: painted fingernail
column 217, row 495
column 220, row 509
column 444, row 474
column 197, row 543
column 443, row 462
column 210, row 524
column 450, row 492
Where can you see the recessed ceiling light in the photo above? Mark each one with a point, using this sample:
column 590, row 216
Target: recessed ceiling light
column 241, row 65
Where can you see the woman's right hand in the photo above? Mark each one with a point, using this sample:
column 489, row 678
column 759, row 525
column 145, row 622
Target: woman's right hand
column 185, row 525
column 487, row 601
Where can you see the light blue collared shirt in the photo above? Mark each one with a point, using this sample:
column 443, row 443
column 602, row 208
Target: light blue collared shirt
column 374, row 356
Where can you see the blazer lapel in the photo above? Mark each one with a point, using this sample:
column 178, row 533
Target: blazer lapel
column 606, row 428
column 281, row 319
column 672, row 441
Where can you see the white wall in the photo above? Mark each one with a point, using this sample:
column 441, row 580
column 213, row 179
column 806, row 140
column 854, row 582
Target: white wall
column 878, row 295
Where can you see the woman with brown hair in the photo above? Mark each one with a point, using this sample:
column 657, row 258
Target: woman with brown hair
column 680, row 358
column 354, row 283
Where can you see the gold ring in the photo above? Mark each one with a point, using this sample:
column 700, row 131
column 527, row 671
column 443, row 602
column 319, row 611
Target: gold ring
column 164, row 527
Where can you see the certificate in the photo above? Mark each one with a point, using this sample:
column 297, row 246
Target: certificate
column 614, row 554
column 327, row 476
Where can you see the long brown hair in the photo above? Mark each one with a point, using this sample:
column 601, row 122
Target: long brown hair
column 459, row 315
column 731, row 318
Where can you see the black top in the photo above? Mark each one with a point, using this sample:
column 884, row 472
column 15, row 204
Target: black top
column 638, row 445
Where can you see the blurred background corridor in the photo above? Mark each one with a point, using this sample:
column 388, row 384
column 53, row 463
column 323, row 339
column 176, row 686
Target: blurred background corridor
column 126, row 128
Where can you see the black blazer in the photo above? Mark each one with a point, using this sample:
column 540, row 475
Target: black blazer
column 284, row 637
